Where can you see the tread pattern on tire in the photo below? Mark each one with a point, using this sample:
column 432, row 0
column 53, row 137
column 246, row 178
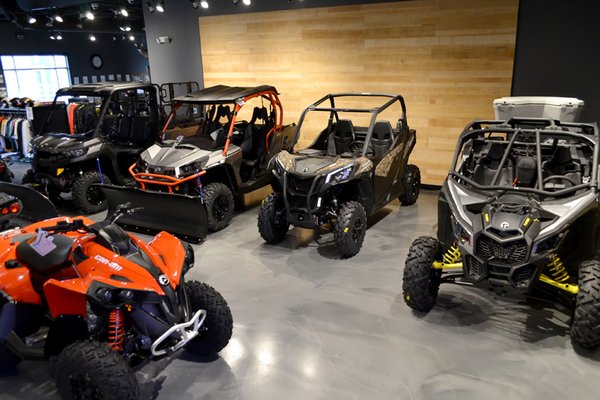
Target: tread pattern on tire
column 347, row 214
column 219, row 320
column 420, row 283
column 269, row 229
column 79, row 191
column 412, row 172
column 210, row 193
column 585, row 328
column 112, row 373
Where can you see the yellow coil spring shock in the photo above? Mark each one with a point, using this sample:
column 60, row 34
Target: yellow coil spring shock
column 557, row 270
column 451, row 256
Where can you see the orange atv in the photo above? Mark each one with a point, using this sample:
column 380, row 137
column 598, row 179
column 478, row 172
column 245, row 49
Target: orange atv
column 101, row 301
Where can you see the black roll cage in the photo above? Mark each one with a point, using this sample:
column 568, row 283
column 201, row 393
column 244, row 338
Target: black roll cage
column 517, row 126
column 333, row 110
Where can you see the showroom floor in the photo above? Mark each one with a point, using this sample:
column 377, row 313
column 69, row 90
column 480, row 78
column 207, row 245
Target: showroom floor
column 311, row 326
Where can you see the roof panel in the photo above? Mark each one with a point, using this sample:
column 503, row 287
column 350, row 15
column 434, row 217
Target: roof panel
column 222, row 94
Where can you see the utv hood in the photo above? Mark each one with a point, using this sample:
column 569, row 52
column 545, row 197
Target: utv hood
column 56, row 143
column 167, row 156
column 319, row 165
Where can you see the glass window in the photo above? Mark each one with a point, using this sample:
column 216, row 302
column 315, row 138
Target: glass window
column 37, row 77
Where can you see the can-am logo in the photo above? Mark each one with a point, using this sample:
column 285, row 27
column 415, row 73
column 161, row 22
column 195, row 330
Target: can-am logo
column 107, row 262
column 504, row 225
column 163, row 280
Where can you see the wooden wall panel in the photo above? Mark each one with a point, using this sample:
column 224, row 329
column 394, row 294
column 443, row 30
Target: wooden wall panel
column 448, row 58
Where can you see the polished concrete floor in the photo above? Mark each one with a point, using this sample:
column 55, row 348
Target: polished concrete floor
column 308, row 325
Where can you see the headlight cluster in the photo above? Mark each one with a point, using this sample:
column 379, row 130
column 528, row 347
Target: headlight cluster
column 548, row 244
column 74, row 153
column 339, row 176
column 108, row 295
column 461, row 233
column 189, row 169
column 141, row 165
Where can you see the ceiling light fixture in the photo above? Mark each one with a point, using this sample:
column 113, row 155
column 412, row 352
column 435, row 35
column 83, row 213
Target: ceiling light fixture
column 89, row 15
column 58, row 36
column 204, row 4
column 247, row 2
column 160, row 6
column 58, row 18
column 124, row 12
column 92, row 38
column 52, row 37
column 32, row 19
column 131, row 37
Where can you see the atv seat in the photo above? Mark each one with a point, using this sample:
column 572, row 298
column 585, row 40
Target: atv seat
column 50, row 263
column 488, row 166
column 382, row 138
column 343, row 135
column 561, row 164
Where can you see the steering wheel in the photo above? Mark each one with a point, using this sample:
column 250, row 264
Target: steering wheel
column 559, row 178
column 357, row 147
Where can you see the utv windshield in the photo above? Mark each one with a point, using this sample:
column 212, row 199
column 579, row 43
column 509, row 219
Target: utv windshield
column 543, row 157
column 350, row 125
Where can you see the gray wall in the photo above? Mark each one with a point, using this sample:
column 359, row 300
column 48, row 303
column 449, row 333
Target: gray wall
column 558, row 52
column 181, row 60
column 119, row 57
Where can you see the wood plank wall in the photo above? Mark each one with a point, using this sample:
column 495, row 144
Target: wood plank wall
column 448, row 58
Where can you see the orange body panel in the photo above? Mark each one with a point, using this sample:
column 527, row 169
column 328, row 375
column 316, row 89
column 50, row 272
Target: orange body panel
column 65, row 291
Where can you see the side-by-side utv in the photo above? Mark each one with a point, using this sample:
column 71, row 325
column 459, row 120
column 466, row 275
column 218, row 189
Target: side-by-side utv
column 225, row 155
column 357, row 164
column 519, row 213
column 91, row 135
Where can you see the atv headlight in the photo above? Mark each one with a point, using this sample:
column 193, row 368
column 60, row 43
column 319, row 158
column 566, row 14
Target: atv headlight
column 75, row 153
column 547, row 244
column 461, row 233
column 340, row 175
column 113, row 296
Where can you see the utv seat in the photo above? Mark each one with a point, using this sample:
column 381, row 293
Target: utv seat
column 140, row 129
column 254, row 147
column 488, row 166
column 561, row 164
column 526, row 171
column 343, row 135
column 382, row 138
column 50, row 263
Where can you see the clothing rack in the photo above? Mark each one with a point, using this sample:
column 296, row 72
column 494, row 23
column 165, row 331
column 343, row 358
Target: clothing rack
column 14, row 137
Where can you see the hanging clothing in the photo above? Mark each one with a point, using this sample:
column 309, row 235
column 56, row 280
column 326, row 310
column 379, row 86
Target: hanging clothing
column 15, row 134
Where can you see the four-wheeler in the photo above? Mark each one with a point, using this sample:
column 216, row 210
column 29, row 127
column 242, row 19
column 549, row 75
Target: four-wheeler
column 93, row 139
column 100, row 302
column 225, row 156
column 518, row 213
column 348, row 172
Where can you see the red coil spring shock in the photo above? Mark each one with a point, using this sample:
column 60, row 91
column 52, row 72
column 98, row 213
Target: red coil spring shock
column 116, row 329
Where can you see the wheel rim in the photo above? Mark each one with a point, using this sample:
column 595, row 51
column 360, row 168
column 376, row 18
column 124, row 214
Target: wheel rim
column 220, row 208
column 357, row 230
column 94, row 195
column 84, row 388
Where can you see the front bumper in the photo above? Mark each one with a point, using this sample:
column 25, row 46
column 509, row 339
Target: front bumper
column 302, row 199
column 178, row 335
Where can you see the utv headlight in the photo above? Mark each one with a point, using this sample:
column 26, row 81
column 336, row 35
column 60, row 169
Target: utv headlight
column 75, row 153
column 339, row 176
column 548, row 243
column 141, row 165
column 461, row 233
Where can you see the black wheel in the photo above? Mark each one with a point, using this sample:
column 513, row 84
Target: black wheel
column 421, row 282
column 350, row 228
column 89, row 199
column 28, row 178
column 272, row 222
column 8, row 359
column 218, row 325
column 585, row 328
column 412, row 185
column 91, row 370
column 219, row 204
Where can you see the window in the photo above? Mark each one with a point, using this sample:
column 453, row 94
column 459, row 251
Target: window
column 36, row 77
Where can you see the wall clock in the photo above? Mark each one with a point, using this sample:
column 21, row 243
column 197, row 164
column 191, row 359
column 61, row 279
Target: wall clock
column 96, row 61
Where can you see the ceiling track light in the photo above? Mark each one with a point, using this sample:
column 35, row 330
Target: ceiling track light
column 160, row 6
column 123, row 11
column 247, row 2
column 89, row 15
column 92, row 38
column 58, row 18
column 58, row 36
column 131, row 37
column 31, row 19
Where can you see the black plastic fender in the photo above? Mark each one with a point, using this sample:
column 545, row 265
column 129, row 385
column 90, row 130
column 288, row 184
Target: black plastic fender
column 36, row 206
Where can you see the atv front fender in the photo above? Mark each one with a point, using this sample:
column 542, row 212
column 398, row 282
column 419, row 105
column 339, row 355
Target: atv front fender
column 173, row 253
column 66, row 297
column 36, row 207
